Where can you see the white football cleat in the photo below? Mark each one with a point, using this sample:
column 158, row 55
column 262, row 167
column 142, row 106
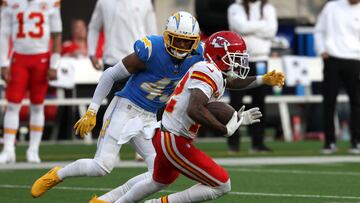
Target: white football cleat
column 7, row 157
column 32, row 156
column 355, row 151
column 329, row 149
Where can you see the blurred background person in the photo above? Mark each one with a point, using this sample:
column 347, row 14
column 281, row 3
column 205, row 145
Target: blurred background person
column 77, row 45
column 337, row 40
column 211, row 15
column 123, row 22
column 256, row 21
column 30, row 24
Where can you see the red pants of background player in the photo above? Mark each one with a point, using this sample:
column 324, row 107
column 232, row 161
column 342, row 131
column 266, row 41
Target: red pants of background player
column 28, row 72
column 176, row 154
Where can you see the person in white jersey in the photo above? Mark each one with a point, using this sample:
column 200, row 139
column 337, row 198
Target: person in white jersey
column 30, row 24
column 226, row 65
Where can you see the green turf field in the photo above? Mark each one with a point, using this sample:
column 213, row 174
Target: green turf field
column 338, row 182
column 63, row 152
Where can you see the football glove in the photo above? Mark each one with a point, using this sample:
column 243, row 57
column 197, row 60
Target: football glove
column 250, row 116
column 274, row 78
column 86, row 123
column 233, row 124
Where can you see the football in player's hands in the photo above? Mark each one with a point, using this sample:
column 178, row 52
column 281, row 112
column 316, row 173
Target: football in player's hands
column 222, row 111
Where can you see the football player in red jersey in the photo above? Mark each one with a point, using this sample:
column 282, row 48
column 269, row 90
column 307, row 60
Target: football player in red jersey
column 226, row 65
column 30, row 24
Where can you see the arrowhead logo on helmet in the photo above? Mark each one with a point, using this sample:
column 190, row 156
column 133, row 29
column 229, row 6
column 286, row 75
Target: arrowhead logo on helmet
column 219, row 42
column 227, row 50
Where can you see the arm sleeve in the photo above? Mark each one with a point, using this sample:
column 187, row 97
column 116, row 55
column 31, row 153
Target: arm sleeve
column 270, row 29
column 55, row 18
column 239, row 23
column 150, row 21
column 319, row 32
column 143, row 49
column 5, row 32
column 95, row 25
column 106, row 82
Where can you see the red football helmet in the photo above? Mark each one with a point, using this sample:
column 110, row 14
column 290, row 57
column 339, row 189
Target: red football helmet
column 227, row 50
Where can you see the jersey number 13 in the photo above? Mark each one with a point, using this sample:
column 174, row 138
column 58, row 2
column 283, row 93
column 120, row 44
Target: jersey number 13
column 38, row 31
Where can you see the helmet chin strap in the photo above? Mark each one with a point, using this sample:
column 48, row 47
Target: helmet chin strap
column 231, row 75
column 211, row 59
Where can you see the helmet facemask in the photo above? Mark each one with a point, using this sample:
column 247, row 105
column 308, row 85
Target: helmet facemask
column 238, row 64
column 176, row 51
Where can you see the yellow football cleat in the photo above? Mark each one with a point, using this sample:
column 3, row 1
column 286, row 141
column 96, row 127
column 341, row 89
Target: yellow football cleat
column 45, row 182
column 96, row 200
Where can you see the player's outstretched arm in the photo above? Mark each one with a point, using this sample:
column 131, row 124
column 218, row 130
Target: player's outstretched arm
column 272, row 78
column 129, row 65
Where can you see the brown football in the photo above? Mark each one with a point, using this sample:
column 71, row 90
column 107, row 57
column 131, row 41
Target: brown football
column 222, row 111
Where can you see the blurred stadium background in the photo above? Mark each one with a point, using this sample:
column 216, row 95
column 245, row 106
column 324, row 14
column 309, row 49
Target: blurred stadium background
column 295, row 171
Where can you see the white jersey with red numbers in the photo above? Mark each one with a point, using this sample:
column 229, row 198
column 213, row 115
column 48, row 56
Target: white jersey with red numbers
column 204, row 76
column 30, row 24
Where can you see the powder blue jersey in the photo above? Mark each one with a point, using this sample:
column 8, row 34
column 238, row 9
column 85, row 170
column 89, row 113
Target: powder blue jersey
column 150, row 89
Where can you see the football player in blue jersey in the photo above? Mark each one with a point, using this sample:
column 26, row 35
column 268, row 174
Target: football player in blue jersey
column 155, row 67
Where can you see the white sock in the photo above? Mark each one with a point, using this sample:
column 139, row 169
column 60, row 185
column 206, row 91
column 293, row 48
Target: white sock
column 118, row 192
column 37, row 120
column 141, row 190
column 9, row 142
column 80, row 168
column 11, row 124
column 198, row 193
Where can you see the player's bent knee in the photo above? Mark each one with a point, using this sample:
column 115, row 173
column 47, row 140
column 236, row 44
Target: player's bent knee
column 158, row 186
column 36, row 109
column 98, row 170
column 13, row 107
column 150, row 162
column 89, row 167
column 106, row 164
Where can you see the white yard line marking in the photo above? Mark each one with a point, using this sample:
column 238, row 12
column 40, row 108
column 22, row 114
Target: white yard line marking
column 170, row 191
column 342, row 173
column 252, row 161
column 293, row 195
